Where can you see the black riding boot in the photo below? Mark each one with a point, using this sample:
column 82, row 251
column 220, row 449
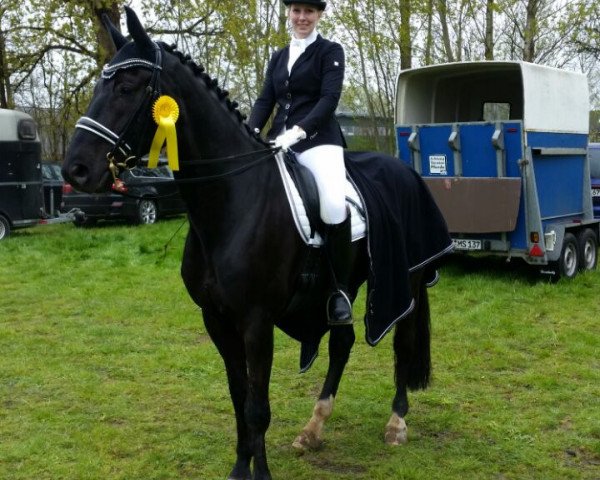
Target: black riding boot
column 339, row 250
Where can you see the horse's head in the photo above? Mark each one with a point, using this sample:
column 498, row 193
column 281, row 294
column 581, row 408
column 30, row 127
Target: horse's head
column 117, row 127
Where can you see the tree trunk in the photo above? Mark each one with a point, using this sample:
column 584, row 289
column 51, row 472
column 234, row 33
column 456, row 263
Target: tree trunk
column 531, row 30
column 428, row 60
column 106, row 49
column 489, row 30
column 405, row 37
column 5, row 95
column 442, row 11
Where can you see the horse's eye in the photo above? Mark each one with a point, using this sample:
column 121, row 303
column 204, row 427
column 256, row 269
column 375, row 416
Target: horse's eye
column 123, row 89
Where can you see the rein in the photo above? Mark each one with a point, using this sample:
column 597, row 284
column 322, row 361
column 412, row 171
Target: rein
column 211, row 178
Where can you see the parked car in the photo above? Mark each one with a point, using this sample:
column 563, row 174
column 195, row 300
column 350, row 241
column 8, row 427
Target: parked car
column 52, row 183
column 150, row 193
column 594, row 155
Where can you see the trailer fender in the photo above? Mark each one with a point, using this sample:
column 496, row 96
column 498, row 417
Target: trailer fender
column 554, row 236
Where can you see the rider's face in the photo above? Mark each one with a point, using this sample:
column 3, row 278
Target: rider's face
column 304, row 19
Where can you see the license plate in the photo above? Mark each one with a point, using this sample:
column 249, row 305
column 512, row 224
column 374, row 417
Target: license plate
column 466, row 244
column 595, row 192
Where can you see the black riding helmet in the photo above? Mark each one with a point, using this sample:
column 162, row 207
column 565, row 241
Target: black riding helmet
column 315, row 3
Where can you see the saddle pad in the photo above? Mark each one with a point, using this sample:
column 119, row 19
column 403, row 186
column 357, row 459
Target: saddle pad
column 358, row 221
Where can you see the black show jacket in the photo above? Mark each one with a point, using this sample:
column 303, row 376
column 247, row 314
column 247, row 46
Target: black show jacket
column 307, row 97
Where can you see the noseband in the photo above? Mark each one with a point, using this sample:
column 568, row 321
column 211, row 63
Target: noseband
column 121, row 149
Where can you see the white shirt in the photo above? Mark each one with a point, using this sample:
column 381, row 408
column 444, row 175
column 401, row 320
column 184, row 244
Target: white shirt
column 297, row 47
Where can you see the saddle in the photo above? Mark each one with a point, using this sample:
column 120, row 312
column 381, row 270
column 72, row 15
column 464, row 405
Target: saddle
column 303, row 197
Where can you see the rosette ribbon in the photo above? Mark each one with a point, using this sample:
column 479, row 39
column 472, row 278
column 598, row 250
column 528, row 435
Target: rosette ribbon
column 165, row 112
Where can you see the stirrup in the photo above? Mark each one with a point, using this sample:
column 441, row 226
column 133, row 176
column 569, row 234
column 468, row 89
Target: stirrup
column 339, row 309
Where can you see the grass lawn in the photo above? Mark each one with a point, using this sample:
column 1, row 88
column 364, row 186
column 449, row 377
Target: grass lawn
column 106, row 372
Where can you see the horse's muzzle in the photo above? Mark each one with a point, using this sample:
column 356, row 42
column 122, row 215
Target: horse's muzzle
column 82, row 178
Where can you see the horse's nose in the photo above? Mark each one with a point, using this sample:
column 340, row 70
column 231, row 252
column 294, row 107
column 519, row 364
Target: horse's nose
column 77, row 175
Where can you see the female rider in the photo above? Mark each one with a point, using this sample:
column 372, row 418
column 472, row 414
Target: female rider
column 304, row 80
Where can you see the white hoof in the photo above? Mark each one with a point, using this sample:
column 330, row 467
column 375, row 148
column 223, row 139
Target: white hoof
column 396, row 432
column 307, row 441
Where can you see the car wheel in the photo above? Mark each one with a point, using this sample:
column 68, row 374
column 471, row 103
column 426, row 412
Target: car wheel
column 588, row 249
column 568, row 263
column 4, row 227
column 147, row 212
column 83, row 221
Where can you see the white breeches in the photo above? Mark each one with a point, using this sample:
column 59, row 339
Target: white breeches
column 326, row 162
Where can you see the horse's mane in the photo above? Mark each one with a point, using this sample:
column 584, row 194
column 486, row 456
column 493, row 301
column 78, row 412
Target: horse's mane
column 213, row 84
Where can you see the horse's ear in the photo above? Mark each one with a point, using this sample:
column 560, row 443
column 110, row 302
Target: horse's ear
column 137, row 31
column 117, row 37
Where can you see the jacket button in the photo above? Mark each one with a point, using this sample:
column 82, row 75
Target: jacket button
column 289, row 95
column 287, row 106
column 287, row 82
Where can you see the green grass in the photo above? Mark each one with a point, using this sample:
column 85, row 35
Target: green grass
column 106, row 372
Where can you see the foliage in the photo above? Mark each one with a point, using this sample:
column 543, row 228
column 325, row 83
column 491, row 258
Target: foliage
column 49, row 60
column 52, row 58
column 107, row 373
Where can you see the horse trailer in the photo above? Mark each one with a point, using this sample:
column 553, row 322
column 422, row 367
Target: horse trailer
column 594, row 154
column 21, row 192
column 503, row 149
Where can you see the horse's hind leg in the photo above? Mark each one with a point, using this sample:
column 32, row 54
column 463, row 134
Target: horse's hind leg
column 341, row 340
column 413, row 365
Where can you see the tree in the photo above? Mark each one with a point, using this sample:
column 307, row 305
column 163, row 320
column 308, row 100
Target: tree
column 48, row 60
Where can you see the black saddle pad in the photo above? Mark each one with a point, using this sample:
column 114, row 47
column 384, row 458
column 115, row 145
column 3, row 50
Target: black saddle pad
column 406, row 232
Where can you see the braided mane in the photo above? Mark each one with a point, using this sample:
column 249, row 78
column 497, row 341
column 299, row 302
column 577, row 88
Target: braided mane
column 213, row 84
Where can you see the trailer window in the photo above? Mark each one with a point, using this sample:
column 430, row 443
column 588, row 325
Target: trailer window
column 26, row 129
column 496, row 111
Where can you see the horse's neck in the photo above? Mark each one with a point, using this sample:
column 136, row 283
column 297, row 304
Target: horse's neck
column 225, row 202
column 231, row 205
column 237, row 215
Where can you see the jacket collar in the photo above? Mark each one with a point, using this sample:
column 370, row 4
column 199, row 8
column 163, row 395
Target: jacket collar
column 308, row 52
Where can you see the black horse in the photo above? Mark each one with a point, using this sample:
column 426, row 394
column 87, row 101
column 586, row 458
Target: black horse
column 244, row 261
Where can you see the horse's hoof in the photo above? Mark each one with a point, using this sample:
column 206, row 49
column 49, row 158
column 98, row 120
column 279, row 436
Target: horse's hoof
column 240, row 474
column 307, row 441
column 396, row 438
column 396, row 432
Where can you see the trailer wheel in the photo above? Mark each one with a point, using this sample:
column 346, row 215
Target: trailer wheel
column 4, row 227
column 568, row 263
column 588, row 249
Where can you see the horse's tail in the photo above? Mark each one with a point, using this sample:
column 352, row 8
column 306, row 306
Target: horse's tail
column 412, row 340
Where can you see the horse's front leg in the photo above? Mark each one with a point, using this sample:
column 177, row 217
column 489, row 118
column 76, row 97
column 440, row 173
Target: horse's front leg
column 341, row 339
column 231, row 347
column 258, row 340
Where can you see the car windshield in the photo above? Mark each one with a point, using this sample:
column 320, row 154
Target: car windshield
column 51, row 172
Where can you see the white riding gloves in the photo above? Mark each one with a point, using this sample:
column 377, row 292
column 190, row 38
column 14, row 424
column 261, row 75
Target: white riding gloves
column 290, row 137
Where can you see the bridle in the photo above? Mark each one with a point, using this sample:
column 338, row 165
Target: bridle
column 122, row 156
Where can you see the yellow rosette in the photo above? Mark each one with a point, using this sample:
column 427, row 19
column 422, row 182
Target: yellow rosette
column 165, row 112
